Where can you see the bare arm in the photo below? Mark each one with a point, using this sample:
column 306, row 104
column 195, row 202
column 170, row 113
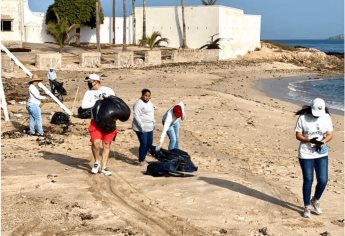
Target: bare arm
column 302, row 138
column 328, row 137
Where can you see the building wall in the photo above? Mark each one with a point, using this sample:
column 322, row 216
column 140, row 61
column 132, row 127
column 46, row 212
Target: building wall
column 14, row 9
column 88, row 35
column 240, row 33
column 168, row 21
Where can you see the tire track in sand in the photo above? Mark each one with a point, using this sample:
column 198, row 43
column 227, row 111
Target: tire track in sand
column 138, row 210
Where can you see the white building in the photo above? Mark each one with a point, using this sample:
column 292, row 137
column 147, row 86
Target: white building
column 239, row 32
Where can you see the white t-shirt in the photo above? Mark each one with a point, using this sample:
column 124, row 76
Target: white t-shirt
column 144, row 116
column 312, row 127
column 92, row 96
column 34, row 95
column 170, row 119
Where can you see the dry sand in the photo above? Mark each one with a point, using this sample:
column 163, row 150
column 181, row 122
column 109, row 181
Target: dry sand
column 249, row 181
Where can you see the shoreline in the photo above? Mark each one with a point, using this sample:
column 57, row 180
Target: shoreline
column 242, row 141
column 279, row 89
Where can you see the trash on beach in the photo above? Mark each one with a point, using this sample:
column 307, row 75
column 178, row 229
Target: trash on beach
column 171, row 163
column 108, row 110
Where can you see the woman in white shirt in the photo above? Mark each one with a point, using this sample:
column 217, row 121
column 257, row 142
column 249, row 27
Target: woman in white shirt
column 314, row 129
column 33, row 106
column 171, row 126
column 144, row 123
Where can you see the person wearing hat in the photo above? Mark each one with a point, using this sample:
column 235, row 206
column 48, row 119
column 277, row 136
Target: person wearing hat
column 94, row 93
column 51, row 75
column 314, row 129
column 171, row 126
column 33, row 106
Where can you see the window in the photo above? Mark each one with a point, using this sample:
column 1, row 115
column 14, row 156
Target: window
column 6, row 25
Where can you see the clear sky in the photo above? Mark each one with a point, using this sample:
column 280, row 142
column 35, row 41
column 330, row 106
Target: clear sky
column 280, row 19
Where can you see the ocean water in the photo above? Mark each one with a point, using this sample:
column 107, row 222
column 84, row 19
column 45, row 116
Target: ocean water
column 322, row 45
column 329, row 89
column 302, row 90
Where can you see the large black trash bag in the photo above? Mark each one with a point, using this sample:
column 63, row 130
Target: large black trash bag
column 107, row 111
column 59, row 87
column 101, row 116
column 119, row 108
column 60, row 118
column 171, row 162
column 84, row 113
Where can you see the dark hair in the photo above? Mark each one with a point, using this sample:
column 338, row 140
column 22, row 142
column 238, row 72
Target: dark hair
column 307, row 110
column 145, row 91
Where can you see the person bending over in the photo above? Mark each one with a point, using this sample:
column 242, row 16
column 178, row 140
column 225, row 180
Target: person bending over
column 171, row 126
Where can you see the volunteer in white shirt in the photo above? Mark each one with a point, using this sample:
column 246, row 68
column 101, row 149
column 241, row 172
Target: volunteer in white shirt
column 97, row 91
column 51, row 75
column 33, row 106
column 171, row 126
column 144, row 123
column 314, row 129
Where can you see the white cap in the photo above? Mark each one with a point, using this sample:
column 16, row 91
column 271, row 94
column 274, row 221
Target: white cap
column 92, row 77
column 318, row 107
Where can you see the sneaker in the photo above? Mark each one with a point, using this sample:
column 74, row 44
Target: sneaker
column 306, row 212
column 315, row 203
column 95, row 168
column 106, row 172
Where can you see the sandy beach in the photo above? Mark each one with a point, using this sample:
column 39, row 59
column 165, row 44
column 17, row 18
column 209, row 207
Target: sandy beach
column 248, row 181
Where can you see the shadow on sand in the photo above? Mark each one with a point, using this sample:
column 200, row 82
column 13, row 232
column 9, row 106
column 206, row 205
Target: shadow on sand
column 73, row 162
column 236, row 187
column 122, row 157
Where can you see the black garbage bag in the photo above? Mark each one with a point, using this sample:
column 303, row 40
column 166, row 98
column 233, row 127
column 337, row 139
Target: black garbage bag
column 170, row 163
column 184, row 162
column 107, row 111
column 84, row 113
column 59, row 88
column 60, row 118
column 119, row 108
column 101, row 116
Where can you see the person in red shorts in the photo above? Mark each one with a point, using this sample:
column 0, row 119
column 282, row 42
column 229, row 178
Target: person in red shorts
column 96, row 92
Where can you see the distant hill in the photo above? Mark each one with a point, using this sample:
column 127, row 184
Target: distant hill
column 337, row 37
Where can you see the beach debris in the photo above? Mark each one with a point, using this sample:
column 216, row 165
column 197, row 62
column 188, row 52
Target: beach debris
column 126, row 232
column 84, row 216
column 264, row 231
column 325, row 234
column 11, row 134
column 48, row 140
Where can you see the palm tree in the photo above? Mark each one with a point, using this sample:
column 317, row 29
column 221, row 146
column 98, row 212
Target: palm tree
column 134, row 21
column 208, row 2
column 154, row 40
column 144, row 19
column 124, row 46
column 184, row 40
column 114, row 21
column 60, row 31
column 97, row 27
column 213, row 44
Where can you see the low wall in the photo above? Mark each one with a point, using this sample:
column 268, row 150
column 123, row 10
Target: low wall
column 7, row 65
column 90, row 59
column 153, row 58
column 195, row 55
column 124, row 59
column 48, row 60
